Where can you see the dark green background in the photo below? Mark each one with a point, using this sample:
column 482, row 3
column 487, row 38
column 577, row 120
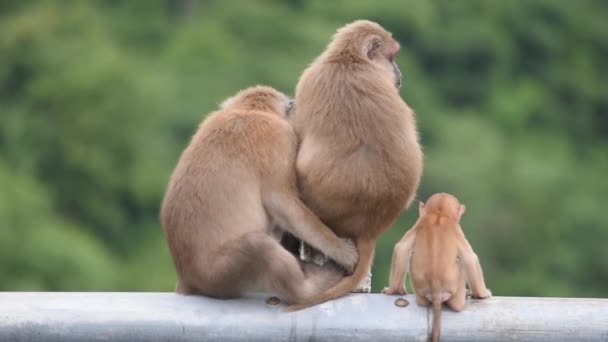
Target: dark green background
column 98, row 98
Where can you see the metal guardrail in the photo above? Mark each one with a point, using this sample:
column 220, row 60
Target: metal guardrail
column 78, row 316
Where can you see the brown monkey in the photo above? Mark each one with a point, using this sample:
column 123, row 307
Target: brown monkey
column 232, row 184
column 359, row 162
column 438, row 251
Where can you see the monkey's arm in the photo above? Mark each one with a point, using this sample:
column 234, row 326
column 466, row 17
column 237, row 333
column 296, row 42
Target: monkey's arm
column 292, row 215
column 400, row 264
column 472, row 268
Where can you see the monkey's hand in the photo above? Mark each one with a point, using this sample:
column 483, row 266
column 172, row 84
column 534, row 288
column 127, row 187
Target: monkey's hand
column 394, row 291
column 485, row 293
column 347, row 255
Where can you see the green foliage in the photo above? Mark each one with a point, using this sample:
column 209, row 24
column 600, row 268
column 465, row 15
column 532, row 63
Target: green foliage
column 97, row 100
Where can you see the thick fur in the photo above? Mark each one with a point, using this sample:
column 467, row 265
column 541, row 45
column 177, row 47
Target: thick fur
column 232, row 184
column 437, row 251
column 359, row 162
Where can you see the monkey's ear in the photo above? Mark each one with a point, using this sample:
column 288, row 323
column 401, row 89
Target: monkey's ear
column 461, row 211
column 420, row 208
column 372, row 46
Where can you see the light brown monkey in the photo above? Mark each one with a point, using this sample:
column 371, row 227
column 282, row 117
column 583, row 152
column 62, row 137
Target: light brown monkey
column 359, row 162
column 437, row 250
column 232, row 184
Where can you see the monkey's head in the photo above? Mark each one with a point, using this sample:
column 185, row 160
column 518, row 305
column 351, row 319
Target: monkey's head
column 363, row 42
column 444, row 205
column 262, row 98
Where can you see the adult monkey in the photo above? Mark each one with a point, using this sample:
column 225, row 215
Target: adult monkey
column 234, row 181
column 359, row 162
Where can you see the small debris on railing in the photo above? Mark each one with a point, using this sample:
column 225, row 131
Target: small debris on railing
column 401, row 302
column 273, row 301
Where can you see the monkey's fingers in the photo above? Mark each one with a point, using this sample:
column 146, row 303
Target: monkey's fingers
column 482, row 294
column 394, row 291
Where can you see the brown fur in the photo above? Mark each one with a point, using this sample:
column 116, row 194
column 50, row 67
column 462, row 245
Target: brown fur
column 232, row 184
column 435, row 245
column 359, row 162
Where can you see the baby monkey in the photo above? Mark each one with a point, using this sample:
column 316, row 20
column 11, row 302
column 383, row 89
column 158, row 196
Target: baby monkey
column 436, row 252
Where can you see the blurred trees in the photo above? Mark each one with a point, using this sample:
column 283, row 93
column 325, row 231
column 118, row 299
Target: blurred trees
column 97, row 100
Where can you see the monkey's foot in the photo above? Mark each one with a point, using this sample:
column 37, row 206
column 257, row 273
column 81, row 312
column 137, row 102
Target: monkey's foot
column 365, row 286
column 394, row 291
column 309, row 254
column 482, row 295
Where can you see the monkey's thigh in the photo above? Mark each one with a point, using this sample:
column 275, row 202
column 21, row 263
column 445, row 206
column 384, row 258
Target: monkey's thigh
column 458, row 300
column 422, row 300
column 322, row 277
column 255, row 260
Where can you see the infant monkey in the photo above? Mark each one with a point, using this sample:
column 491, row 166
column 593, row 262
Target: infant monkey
column 436, row 252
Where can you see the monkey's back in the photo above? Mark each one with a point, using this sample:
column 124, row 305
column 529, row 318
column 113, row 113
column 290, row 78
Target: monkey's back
column 434, row 261
column 218, row 181
column 359, row 162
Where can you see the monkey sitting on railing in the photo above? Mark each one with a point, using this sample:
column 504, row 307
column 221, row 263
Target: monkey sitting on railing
column 439, row 258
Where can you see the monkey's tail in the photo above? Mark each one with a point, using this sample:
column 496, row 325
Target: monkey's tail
column 436, row 298
column 365, row 247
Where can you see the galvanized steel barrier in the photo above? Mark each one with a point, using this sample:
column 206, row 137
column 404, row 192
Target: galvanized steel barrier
column 78, row 316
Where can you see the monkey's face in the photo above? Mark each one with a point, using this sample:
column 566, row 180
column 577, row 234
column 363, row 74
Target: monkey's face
column 397, row 76
column 383, row 52
column 364, row 38
column 291, row 106
column 393, row 69
column 284, row 104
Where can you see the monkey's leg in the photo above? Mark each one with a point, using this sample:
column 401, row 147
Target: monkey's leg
column 422, row 300
column 458, row 300
column 365, row 286
column 295, row 217
column 311, row 255
column 183, row 288
column 401, row 263
column 255, row 259
column 472, row 269
column 322, row 277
